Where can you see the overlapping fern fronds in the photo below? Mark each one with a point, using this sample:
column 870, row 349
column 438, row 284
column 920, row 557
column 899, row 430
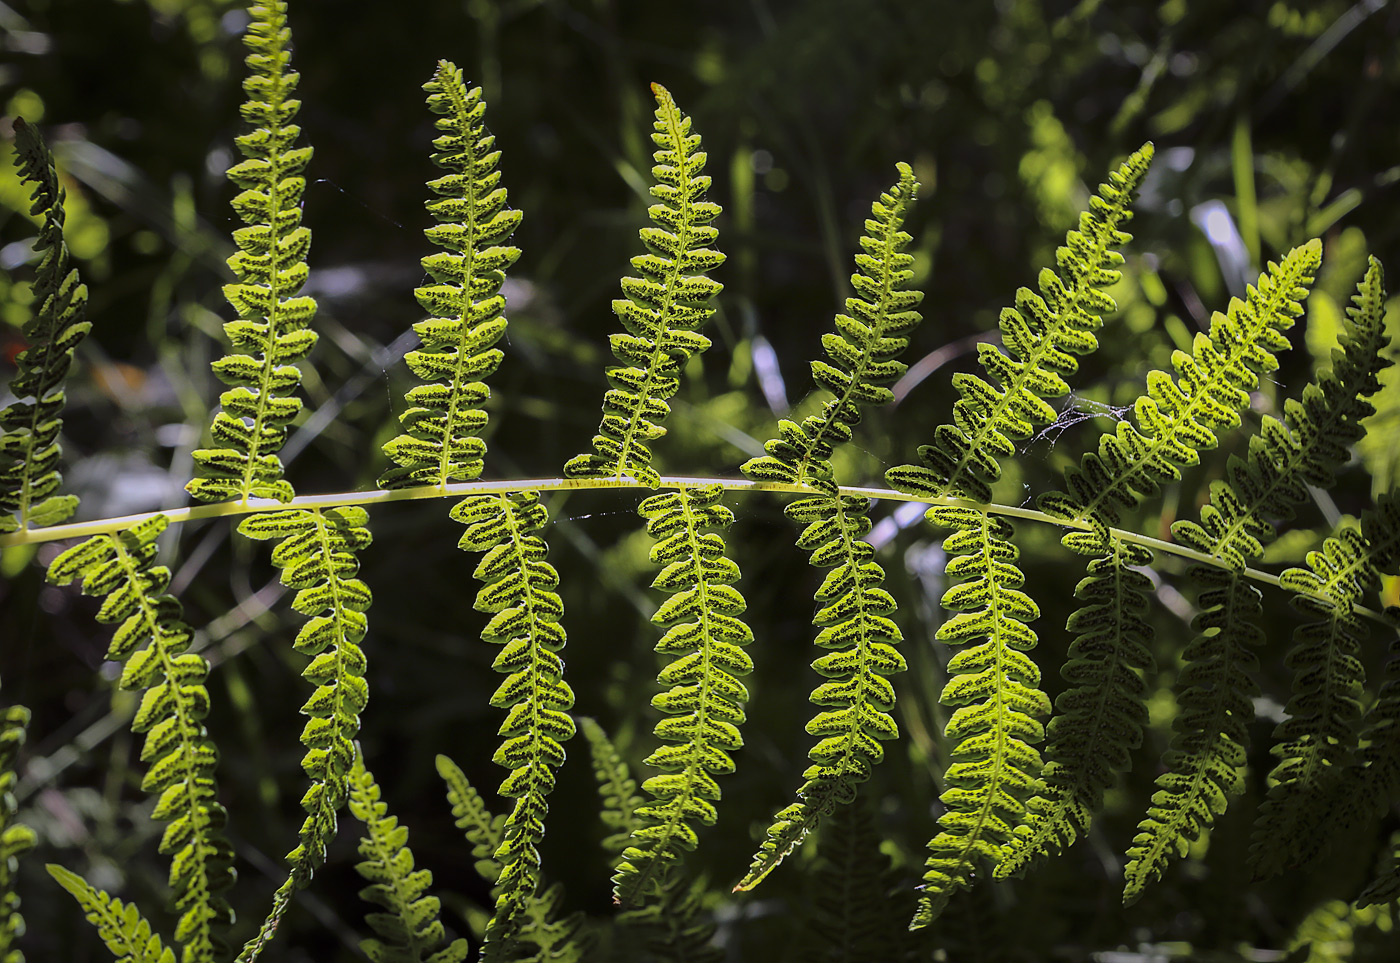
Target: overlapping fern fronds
column 440, row 443
column 152, row 641
column 409, row 931
column 703, row 702
column 663, row 309
column 994, row 685
column 29, row 448
column 270, row 333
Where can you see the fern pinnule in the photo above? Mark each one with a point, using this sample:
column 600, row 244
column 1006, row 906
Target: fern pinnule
column 152, row 642
column 441, row 442
column 863, row 349
column 271, row 332
column 518, row 592
column 1042, row 334
column 663, row 309
column 16, row 839
column 410, row 931
column 29, row 446
column 126, row 932
column 703, row 702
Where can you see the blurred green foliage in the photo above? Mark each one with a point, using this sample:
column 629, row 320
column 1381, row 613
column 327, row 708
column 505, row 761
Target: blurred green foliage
column 1271, row 126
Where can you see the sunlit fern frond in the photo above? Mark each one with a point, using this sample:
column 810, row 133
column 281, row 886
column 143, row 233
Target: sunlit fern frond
column 703, row 702
column 617, row 790
column 441, row 442
column 1042, row 335
column 151, row 642
column 29, row 448
column 270, row 334
column 409, row 930
column 663, row 309
column 518, row 592
column 122, row 927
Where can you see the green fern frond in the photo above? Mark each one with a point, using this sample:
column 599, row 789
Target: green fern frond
column 484, row 830
column 673, row 922
column 703, row 704
column 151, row 642
column 616, row 788
column 29, row 448
column 271, row 331
column 1385, row 888
column 518, row 591
column 1177, row 419
column 1042, row 334
column 856, row 627
column 316, row 556
column 16, row 839
column 1100, row 719
column 121, row 925
column 663, row 309
column 1379, row 776
column 862, row 353
column 995, row 687
column 410, row 932
column 441, row 442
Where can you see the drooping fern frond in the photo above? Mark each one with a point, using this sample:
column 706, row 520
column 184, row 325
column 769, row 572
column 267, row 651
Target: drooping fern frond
column 29, row 448
column 16, row 839
column 440, row 443
column 1101, row 717
column 151, row 642
column 271, row 332
column 663, row 309
column 1042, row 334
column 863, row 352
column 121, row 925
column 316, row 556
column 703, row 703
column 855, row 703
column 410, row 931
column 518, row 592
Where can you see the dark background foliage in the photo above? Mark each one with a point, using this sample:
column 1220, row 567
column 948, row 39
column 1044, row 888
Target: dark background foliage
column 1273, row 123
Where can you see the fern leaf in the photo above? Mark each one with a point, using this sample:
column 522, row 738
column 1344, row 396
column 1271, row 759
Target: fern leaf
column 16, row 839
column 316, row 556
column 121, row 926
column 518, row 591
column 1100, row 719
column 441, row 442
column 1176, row 419
column 271, row 331
column 674, row 924
column 862, row 352
column 482, row 829
column 1042, row 334
column 1378, row 781
column 995, row 687
column 152, row 641
column 857, row 630
column 410, row 931
column 663, row 309
column 29, row 448
column 703, row 704
column 616, row 788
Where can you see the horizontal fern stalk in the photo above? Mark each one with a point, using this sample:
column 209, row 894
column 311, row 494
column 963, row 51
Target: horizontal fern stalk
column 1001, row 805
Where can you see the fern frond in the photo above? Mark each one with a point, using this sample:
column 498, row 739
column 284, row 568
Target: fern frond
column 29, row 448
column 1385, row 887
column 271, row 332
column 518, row 591
column 121, row 925
column 316, row 556
column 862, row 353
column 704, row 700
column 663, row 309
column 16, row 839
column 995, row 687
column 856, row 627
column 441, row 441
column 1100, row 719
column 410, row 932
column 1178, row 418
column 482, row 829
column 1042, row 334
column 673, row 922
column 1378, row 781
column 616, row 788
column 151, row 642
